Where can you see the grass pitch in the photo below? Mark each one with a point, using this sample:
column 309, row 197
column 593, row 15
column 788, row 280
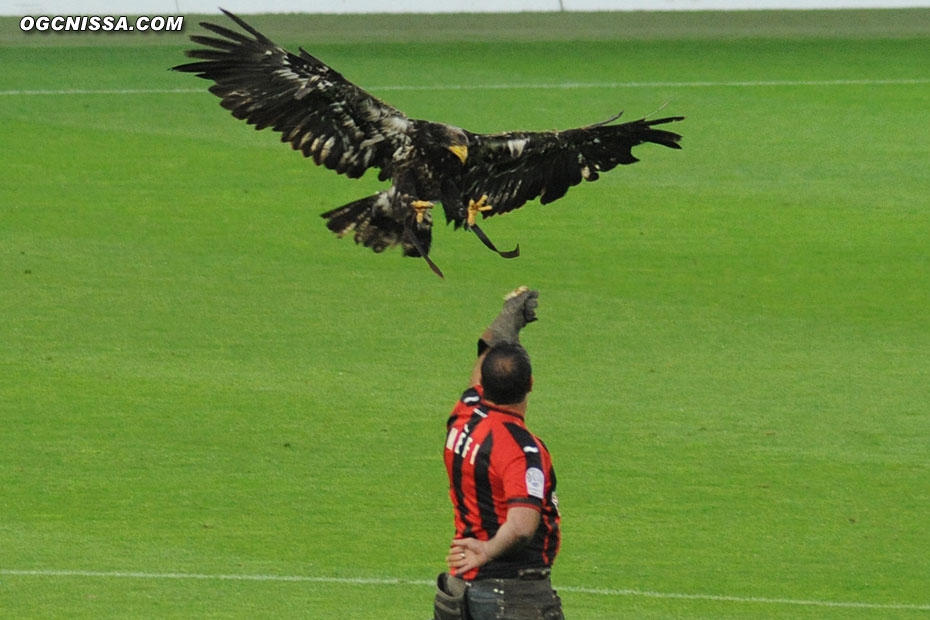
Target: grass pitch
column 198, row 380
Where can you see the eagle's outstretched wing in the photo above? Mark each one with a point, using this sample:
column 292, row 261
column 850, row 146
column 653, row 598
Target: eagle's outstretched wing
column 314, row 107
column 514, row 168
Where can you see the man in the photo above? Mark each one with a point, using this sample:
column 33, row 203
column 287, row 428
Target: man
column 502, row 487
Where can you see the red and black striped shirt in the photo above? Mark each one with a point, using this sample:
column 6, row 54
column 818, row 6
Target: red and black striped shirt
column 494, row 463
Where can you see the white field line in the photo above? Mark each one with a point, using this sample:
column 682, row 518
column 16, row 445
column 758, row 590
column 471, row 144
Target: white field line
column 402, row 582
column 516, row 86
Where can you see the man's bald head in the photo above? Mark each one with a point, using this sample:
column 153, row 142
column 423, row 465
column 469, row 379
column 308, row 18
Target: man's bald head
column 506, row 374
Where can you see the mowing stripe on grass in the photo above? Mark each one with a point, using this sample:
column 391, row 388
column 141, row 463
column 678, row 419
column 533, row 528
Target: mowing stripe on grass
column 746, row 599
column 699, row 84
column 380, row 581
column 559, row 85
column 389, row 581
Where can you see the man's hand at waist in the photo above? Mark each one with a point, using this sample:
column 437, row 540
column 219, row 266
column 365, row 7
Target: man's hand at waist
column 466, row 554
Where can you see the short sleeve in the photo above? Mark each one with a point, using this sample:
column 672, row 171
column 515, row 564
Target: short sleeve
column 521, row 469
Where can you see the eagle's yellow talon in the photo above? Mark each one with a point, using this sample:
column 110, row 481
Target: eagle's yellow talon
column 421, row 207
column 475, row 207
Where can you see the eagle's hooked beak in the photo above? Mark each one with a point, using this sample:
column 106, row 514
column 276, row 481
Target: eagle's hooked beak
column 460, row 150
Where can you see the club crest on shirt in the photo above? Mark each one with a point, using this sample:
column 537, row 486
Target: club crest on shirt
column 535, row 482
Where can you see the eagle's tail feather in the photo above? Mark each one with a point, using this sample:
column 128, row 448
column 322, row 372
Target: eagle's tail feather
column 347, row 217
column 374, row 227
column 367, row 217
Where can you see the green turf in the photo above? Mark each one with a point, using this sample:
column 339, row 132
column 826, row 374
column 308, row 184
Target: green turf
column 731, row 361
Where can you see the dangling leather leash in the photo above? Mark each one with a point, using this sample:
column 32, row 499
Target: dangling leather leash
column 490, row 245
column 423, row 253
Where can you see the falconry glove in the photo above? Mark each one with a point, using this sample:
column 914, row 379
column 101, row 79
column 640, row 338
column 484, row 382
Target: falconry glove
column 519, row 309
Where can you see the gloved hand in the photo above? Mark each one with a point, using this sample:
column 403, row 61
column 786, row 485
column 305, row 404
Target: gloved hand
column 519, row 309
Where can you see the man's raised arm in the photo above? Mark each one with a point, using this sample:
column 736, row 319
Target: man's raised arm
column 519, row 310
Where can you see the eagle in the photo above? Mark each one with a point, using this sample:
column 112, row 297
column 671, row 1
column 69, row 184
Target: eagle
column 346, row 129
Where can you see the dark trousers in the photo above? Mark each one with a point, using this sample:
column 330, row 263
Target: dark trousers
column 527, row 598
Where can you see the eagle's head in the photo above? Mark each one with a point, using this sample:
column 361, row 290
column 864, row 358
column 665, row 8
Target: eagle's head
column 459, row 143
column 452, row 139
